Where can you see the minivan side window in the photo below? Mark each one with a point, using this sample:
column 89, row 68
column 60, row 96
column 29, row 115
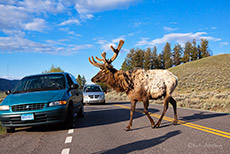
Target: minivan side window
column 73, row 79
column 69, row 80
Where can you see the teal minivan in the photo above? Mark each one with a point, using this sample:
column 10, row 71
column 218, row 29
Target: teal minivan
column 42, row 99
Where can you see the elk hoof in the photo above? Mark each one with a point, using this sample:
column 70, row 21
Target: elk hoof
column 127, row 128
column 156, row 126
column 175, row 122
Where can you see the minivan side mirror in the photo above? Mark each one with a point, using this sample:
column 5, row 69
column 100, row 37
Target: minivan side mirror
column 8, row 92
column 74, row 86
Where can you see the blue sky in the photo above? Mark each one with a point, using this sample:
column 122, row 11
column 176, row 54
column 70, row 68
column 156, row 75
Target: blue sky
column 35, row 34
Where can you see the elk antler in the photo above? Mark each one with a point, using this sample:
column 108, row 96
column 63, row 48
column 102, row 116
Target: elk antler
column 116, row 51
column 103, row 55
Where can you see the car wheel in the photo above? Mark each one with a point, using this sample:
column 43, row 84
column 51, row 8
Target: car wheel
column 10, row 129
column 80, row 114
column 69, row 118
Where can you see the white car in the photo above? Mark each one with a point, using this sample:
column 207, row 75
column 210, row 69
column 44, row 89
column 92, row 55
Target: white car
column 93, row 94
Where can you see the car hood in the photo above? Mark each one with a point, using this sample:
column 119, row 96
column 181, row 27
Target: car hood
column 34, row 97
column 93, row 93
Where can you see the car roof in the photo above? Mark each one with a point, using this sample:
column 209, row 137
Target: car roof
column 47, row 74
column 92, row 85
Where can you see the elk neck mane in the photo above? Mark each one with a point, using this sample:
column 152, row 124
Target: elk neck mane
column 121, row 81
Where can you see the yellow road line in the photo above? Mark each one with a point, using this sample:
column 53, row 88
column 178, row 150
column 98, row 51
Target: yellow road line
column 184, row 123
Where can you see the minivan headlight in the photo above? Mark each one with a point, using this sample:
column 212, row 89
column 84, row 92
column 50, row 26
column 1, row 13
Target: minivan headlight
column 55, row 103
column 4, row 107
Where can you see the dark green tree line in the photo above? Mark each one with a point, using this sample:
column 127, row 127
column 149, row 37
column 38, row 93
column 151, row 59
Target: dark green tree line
column 149, row 59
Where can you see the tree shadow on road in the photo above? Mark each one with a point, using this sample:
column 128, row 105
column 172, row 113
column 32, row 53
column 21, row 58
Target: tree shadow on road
column 141, row 145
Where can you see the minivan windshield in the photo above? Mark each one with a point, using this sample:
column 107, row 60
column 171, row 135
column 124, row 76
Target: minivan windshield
column 92, row 89
column 40, row 83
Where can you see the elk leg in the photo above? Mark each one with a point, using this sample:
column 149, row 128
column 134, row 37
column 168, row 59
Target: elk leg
column 173, row 102
column 166, row 105
column 132, row 109
column 146, row 105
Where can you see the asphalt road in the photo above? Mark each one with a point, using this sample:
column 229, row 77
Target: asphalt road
column 102, row 131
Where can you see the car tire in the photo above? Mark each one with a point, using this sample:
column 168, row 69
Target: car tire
column 80, row 114
column 10, row 129
column 70, row 117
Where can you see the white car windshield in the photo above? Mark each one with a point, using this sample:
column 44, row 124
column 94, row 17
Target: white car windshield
column 92, row 89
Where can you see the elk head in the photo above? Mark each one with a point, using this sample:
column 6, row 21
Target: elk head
column 107, row 69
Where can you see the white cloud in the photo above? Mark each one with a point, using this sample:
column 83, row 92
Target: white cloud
column 213, row 27
column 36, row 25
column 43, row 6
column 70, row 21
column 19, row 15
column 169, row 29
column 173, row 23
column 177, row 37
column 12, row 17
column 137, row 24
column 105, row 45
column 87, row 7
column 14, row 44
column 224, row 43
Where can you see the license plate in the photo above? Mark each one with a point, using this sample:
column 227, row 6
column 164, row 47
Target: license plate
column 29, row 116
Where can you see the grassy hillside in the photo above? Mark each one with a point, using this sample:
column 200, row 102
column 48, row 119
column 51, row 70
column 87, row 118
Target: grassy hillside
column 203, row 84
column 209, row 74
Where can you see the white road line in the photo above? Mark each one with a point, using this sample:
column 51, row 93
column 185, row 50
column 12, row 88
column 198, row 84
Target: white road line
column 71, row 131
column 65, row 151
column 68, row 139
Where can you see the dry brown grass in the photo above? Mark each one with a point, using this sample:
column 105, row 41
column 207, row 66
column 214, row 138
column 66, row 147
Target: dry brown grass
column 2, row 96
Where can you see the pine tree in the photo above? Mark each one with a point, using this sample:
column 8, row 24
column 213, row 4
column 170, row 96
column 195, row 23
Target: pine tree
column 204, row 48
column 187, row 52
column 177, row 54
column 167, row 56
column 53, row 69
column 155, row 62
column 125, row 65
column 81, row 81
column 147, row 64
column 194, row 51
column 160, row 61
column 137, row 59
column 199, row 52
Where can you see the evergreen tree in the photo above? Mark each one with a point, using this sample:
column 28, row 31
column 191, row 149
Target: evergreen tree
column 53, row 69
column 187, row 52
column 155, row 62
column 147, row 59
column 125, row 65
column 138, row 58
column 177, row 54
column 199, row 52
column 104, row 86
column 194, row 51
column 167, row 56
column 160, row 61
column 81, row 81
column 204, row 48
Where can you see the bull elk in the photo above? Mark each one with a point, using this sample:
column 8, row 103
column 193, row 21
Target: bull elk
column 138, row 84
